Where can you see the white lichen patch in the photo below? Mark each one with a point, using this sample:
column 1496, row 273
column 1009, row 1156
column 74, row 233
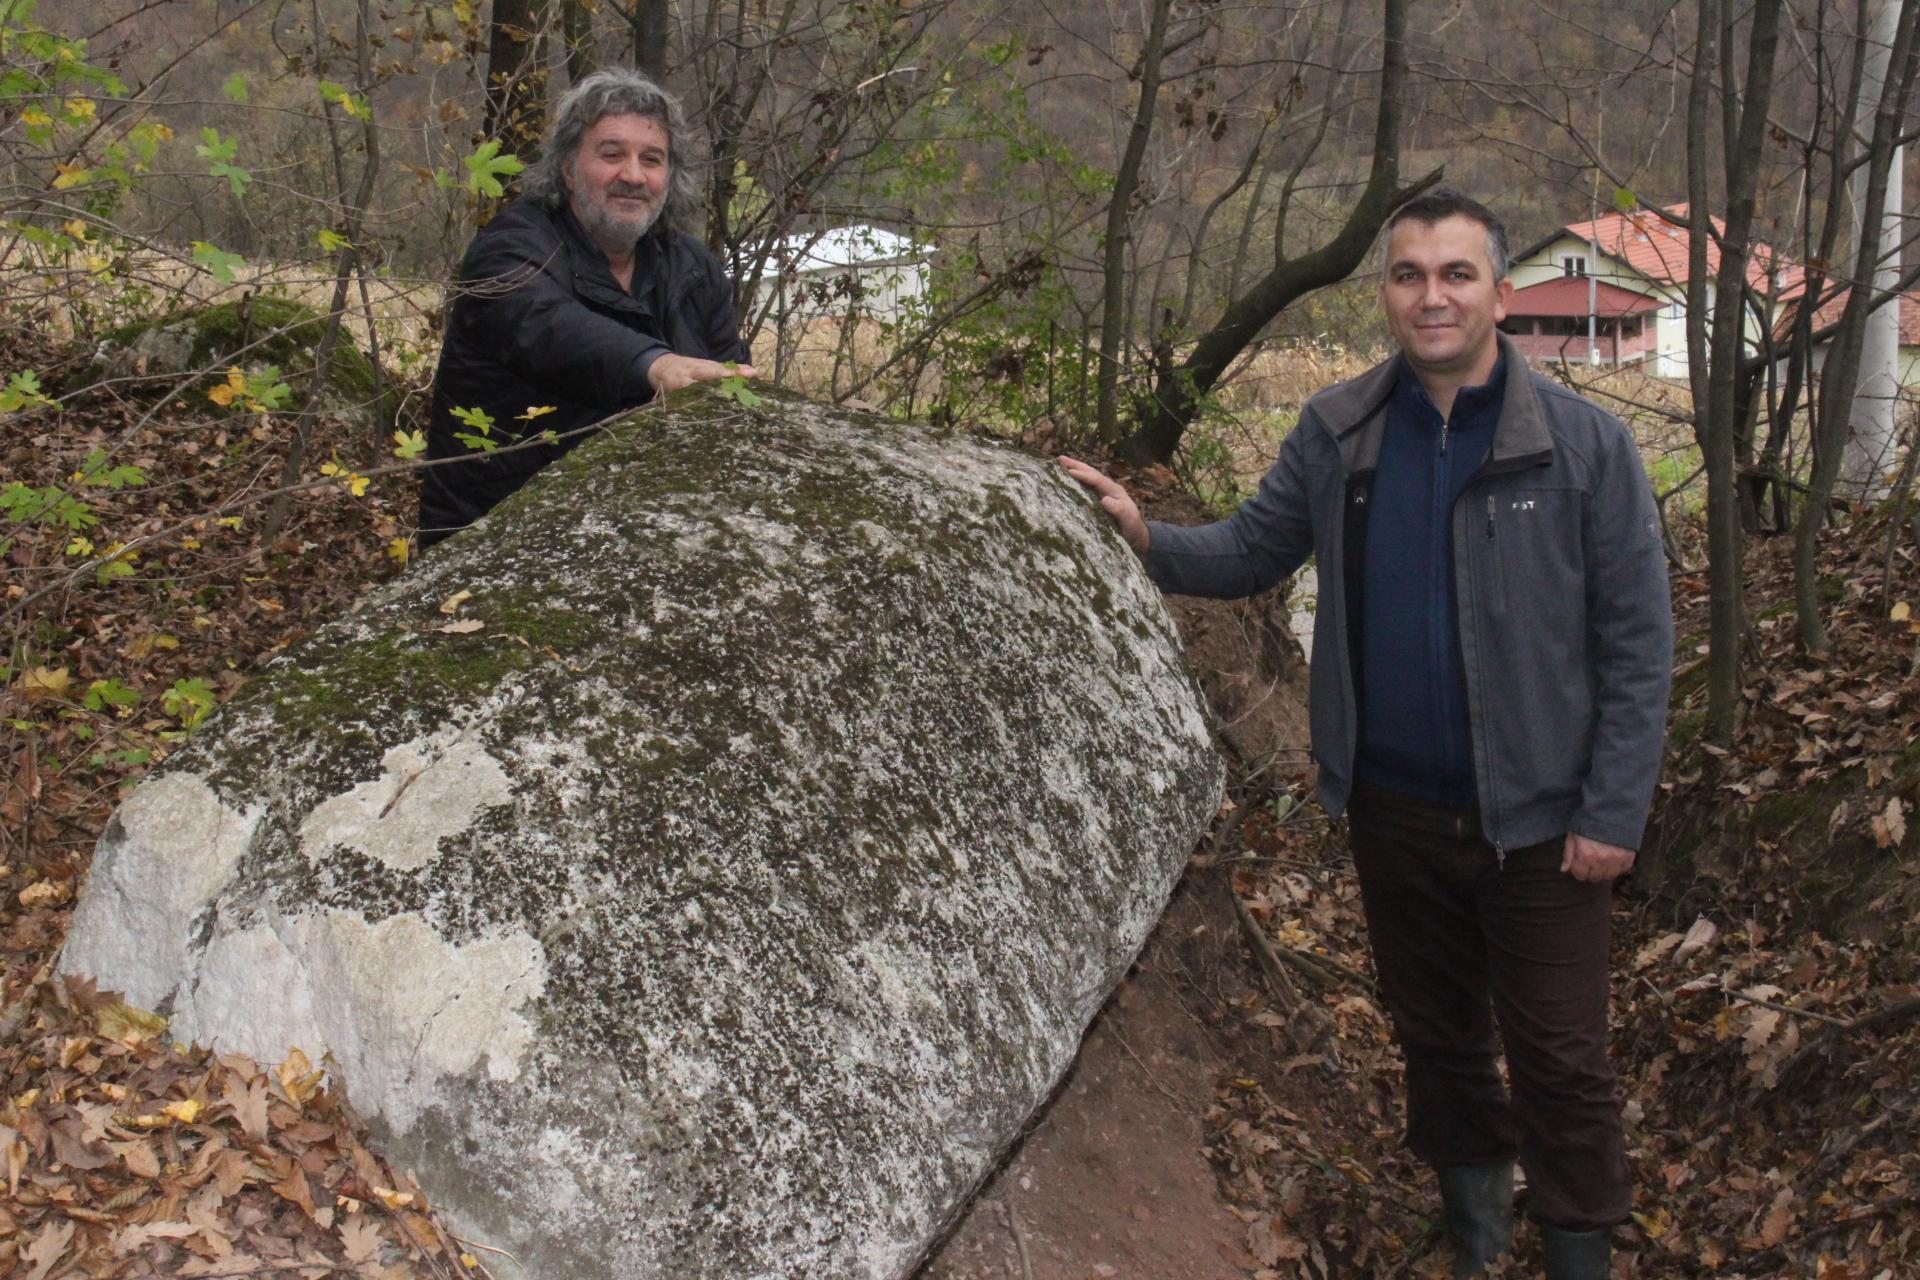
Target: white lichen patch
column 428, row 789
column 171, row 848
column 398, row 1007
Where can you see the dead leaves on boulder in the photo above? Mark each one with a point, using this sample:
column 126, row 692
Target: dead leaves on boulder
column 124, row 1154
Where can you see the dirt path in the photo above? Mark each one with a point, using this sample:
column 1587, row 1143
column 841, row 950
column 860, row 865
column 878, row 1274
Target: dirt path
column 1113, row 1179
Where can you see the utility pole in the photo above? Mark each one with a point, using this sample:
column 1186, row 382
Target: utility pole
column 1871, row 440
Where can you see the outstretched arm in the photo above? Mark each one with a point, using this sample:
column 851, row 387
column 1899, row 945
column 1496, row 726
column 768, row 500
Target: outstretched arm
column 1115, row 500
column 671, row 372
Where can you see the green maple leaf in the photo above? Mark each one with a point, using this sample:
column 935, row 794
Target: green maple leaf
column 217, row 261
column 486, row 166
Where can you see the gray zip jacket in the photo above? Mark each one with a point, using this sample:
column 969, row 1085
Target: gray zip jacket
column 1566, row 623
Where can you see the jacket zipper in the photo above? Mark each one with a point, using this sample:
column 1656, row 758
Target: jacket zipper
column 1499, row 843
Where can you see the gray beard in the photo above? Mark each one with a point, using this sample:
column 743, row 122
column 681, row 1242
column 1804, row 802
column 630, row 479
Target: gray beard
column 612, row 232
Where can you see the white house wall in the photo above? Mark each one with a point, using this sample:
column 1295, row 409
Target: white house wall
column 1669, row 359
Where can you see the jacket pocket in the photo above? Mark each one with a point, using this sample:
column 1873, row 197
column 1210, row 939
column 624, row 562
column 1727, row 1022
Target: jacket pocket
column 1533, row 660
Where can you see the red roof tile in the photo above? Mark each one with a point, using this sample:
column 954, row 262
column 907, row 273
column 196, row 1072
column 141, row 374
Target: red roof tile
column 1829, row 313
column 1567, row 296
column 1658, row 249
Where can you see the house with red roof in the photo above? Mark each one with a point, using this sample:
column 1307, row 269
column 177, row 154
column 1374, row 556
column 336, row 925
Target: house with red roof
column 1906, row 365
column 1613, row 291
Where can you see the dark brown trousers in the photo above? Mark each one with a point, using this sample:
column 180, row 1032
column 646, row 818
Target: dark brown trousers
column 1463, row 938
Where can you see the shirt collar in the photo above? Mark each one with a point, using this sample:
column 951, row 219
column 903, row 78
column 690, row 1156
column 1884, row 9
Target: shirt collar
column 1471, row 405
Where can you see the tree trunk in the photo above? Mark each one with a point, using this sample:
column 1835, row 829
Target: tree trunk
column 1840, row 376
column 1721, row 338
column 1869, row 450
column 1176, row 396
column 1114, row 322
column 648, row 19
column 516, row 82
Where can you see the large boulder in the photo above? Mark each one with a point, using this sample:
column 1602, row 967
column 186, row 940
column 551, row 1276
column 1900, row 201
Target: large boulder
column 705, row 865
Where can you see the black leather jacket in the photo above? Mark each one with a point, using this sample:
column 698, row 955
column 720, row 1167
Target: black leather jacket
column 538, row 320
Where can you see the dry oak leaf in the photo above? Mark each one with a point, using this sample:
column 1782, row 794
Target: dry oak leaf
column 1890, row 824
column 295, row 1188
column 1698, row 939
column 141, row 1234
column 249, row 1104
column 139, row 1157
column 47, row 1248
column 1779, row 1217
column 360, row 1238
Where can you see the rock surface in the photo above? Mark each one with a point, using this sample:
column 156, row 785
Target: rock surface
column 724, row 901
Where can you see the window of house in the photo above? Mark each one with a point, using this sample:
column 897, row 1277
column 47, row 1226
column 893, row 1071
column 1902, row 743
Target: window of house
column 1573, row 264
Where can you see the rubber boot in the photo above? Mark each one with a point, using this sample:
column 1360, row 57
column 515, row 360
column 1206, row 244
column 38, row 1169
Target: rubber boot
column 1578, row 1255
column 1478, row 1199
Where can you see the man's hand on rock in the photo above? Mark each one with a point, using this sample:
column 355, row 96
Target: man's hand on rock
column 671, row 372
column 1590, row 860
column 1114, row 499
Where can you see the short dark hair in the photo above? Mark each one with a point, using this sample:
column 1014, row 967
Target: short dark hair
column 614, row 92
column 1441, row 203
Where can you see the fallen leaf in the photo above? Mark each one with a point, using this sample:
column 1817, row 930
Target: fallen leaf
column 249, row 1103
column 122, row 1022
column 47, row 1248
column 451, row 605
column 72, row 1150
column 295, row 1188
column 1779, row 1218
column 43, row 893
column 140, row 1234
column 43, row 682
column 186, row 1111
column 139, row 1157
column 234, row 1170
column 1698, row 939
column 360, row 1238
column 297, row 1077
column 465, row 626
column 1657, row 950
column 1890, row 824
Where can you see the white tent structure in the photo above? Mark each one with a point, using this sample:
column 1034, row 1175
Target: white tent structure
column 868, row 271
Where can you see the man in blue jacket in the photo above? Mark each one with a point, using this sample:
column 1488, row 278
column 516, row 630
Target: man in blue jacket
column 580, row 299
column 1492, row 652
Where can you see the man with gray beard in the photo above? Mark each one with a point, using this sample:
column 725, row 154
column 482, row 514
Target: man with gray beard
column 580, row 299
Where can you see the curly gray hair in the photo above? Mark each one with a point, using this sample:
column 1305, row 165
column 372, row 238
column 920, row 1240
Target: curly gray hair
column 615, row 92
